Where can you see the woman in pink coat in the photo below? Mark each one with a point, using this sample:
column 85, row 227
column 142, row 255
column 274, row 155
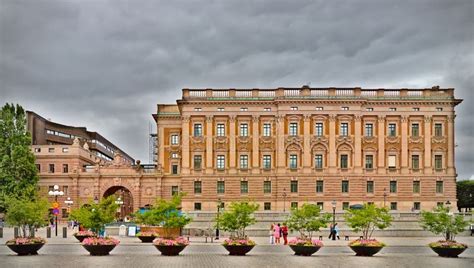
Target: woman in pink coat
column 276, row 233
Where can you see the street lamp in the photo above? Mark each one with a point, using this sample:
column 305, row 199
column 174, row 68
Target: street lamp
column 119, row 202
column 96, row 200
column 333, row 203
column 219, row 205
column 284, row 199
column 56, row 193
column 384, row 196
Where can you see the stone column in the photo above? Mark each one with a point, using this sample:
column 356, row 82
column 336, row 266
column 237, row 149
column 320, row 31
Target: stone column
column 232, row 150
column 332, row 144
column 307, row 144
column 185, row 164
column 451, row 170
column 161, row 147
column 281, row 154
column 381, row 145
column 255, row 144
column 358, row 144
column 209, row 140
column 405, row 132
column 427, row 153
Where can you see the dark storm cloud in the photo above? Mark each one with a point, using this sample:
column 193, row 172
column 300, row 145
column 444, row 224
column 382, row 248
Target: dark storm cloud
column 105, row 64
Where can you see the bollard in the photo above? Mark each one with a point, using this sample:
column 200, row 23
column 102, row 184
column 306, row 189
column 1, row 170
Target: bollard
column 64, row 232
column 321, row 237
column 1, row 232
column 48, row 232
column 33, row 232
column 15, row 232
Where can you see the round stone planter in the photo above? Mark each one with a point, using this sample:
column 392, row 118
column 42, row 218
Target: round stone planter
column 146, row 239
column 238, row 250
column 304, row 250
column 27, row 249
column 170, row 250
column 365, row 251
column 448, row 252
column 81, row 237
column 99, row 250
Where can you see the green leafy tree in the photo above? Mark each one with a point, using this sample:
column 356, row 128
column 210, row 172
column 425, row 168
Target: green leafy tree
column 27, row 214
column 368, row 219
column 465, row 194
column 165, row 213
column 441, row 221
column 95, row 216
column 18, row 173
column 238, row 217
column 307, row 219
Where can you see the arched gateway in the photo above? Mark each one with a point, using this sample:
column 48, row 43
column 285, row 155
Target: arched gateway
column 126, row 208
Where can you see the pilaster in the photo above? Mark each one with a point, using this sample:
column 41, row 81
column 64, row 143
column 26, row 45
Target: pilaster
column 381, row 145
column 358, row 144
column 427, row 153
column 404, row 145
column 209, row 156
column 306, row 144
column 332, row 143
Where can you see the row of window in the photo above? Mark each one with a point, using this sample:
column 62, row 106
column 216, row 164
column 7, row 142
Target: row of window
column 295, row 108
column 319, row 130
column 267, row 187
column 51, row 168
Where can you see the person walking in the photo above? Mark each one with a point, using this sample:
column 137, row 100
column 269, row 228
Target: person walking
column 272, row 241
column 336, row 231
column 284, row 230
column 331, row 229
column 276, row 233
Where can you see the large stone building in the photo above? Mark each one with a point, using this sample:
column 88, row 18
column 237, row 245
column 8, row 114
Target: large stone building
column 287, row 146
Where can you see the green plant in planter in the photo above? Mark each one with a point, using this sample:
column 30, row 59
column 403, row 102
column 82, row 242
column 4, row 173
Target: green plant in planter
column 238, row 217
column 95, row 216
column 366, row 220
column 306, row 220
column 27, row 215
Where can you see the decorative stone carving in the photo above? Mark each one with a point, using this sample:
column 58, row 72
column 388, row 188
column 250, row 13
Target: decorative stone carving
column 404, row 118
column 392, row 139
column 428, row 119
column 267, row 143
column 76, row 142
column 294, row 142
column 232, row 118
column 149, row 191
column 209, row 118
column 86, row 146
column 381, row 118
column 415, row 140
column 332, row 117
column 319, row 140
column 185, row 119
column 340, row 140
column 438, row 139
column 357, row 118
column 255, row 118
column 451, row 118
column 369, row 140
column 220, row 143
column 244, row 143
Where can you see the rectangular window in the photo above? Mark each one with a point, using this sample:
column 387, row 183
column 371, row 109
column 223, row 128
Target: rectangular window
column 392, row 109
column 267, row 109
column 37, row 150
column 244, row 187
column 197, row 206
column 320, row 205
column 318, row 161
column 65, row 149
column 244, row 162
column 319, row 129
column 294, row 205
column 267, row 130
column 51, row 188
column 319, row 108
column 244, row 130
column 293, row 161
column 439, row 187
column 370, row 187
column 197, row 130
column 267, row 206
column 197, row 187
column 344, row 158
column 393, row 187
column 220, row 130
column 197, row 162
column 345, row 108
column 66, row 190
column 416, row 206
column 267, row 162
column 174, row 140
column 438, row 162
column 221, row 187
column 344, row 129
column 220, row 109
column 369, row 161
column 415, row 162
column 392, row 161
column 293, row 131
column 174, row 169
column 369, row 130
column 50, row 150
column 244, row 109
column 345, row 186
column 345, row 205
column 416, row 109
column 439, row 109
column 439, row 204
column 438, row 130
column 174, row 190
column 220, row 162
column 65, row 214
column 369, row 109
column 197, row 109
column 392, row 130
column 393, row 205
column 294, row 186
column 51, row 168
column 294, row 108
column 319, row 186
column 174, row 155
column 38, row 167
column 65, row 168
column 267, row 187
column 416, row 187
column 415, row 130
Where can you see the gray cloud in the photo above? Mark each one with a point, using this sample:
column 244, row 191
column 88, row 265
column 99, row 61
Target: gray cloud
column 106, row 64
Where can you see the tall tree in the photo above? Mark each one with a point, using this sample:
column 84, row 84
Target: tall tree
column 18, row 173
column 465, row 194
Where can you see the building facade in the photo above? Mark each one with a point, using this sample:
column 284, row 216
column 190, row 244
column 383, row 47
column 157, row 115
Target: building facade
column 287, row 146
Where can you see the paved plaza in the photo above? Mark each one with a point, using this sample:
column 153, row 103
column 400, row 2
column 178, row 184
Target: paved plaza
column 401, row 252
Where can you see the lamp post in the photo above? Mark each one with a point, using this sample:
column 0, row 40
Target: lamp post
column 384, row 196
column 69, row 203
column 284, row 199
column 96, row 200
column 333, row 203
column 219, row 202
column 119, row 202
column 56, row 193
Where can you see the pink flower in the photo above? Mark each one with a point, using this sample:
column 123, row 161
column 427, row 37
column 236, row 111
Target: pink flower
column 179, row 241
column 93, row 241
column 26, row 241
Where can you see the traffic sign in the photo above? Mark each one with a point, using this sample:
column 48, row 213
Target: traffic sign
column 55, row 205
column 56, row 211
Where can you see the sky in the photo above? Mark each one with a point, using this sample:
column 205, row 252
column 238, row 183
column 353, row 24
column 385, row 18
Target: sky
column 107, row 64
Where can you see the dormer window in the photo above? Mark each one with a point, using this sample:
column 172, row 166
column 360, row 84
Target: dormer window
column 220, row 109
column 244, row 109
column 197, row 109
column 345, row 108
column 294, row 108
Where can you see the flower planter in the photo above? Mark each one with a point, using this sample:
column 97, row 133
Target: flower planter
column 26, row 249
column 238, row 250
column 170, row 250
column 99, row 250
column 146, row 238
column 304, row 250
column 448, row 252
column 82, row 237
column 365, row 251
